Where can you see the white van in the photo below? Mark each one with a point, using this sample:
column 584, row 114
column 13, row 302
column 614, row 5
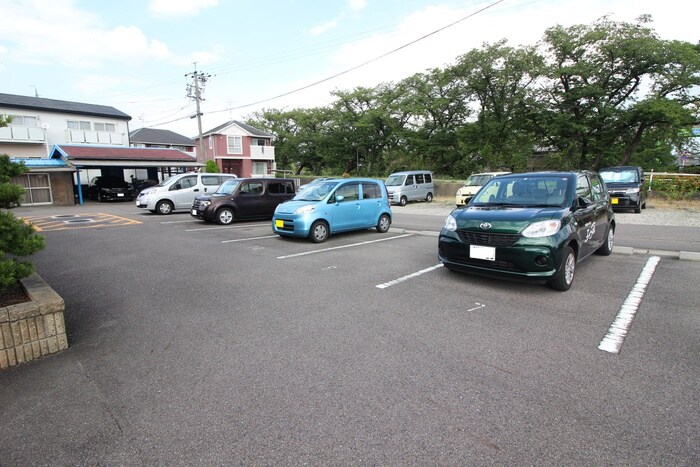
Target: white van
column 179, row 191
column 472, row 185
column 412, row 185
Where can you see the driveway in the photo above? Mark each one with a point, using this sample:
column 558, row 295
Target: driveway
column 199, row 344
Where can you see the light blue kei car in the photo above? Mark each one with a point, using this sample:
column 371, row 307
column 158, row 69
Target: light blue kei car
column 334, row 206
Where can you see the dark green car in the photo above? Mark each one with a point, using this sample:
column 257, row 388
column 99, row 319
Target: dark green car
column 534, row 226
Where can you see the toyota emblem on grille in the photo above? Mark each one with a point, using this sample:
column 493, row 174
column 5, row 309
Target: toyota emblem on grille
column 485, row 226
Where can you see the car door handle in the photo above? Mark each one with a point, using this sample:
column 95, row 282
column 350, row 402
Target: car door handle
column 196, row 189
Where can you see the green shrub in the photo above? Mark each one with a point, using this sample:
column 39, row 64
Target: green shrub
column 211, row 167
column 17, row 239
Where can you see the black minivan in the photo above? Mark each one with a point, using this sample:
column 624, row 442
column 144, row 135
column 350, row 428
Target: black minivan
column 626, row 187
column 243, row 198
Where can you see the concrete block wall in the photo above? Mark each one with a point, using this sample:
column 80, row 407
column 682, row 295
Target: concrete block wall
column 33, row 329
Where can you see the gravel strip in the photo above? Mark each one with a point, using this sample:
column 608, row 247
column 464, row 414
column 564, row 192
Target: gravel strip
column 679, row 217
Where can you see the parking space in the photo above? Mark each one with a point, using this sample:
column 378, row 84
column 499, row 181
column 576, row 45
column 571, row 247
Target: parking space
column 77, row 221
column 408, row 262
column 237, row 329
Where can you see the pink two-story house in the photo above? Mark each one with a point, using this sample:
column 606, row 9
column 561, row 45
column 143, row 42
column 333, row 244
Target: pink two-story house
column 240, row 149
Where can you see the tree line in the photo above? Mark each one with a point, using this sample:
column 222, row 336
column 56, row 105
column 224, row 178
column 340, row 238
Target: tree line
column 584, row 97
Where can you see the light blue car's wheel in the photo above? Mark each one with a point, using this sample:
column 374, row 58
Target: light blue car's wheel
column 383, row 223
column 319, row 232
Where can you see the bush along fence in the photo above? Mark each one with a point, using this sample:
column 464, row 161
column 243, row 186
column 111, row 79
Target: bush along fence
column 673, row 185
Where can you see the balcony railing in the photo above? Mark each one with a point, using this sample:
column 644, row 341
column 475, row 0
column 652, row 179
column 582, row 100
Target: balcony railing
column 95, row 137
column 22, row 134
column 262, row 153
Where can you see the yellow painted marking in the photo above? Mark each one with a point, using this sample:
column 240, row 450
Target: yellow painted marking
column 54, row 223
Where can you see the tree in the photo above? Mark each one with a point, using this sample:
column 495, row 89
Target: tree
column 211, row 167
column 612, row 92
column 498, row 79
column 438, row 106
column 17, row 238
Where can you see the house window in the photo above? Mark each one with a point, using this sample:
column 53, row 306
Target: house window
column 257, row 142
column 79, row 125
column 23, row 120
column 235, row 144
column 259, row 168
column 110, row 127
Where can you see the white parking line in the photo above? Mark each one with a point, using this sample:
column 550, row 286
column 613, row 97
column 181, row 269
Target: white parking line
column 236, row 226
column 613, row 340
column 405, row 278
column 343, row 246
column 179, row 222
column 246, row 239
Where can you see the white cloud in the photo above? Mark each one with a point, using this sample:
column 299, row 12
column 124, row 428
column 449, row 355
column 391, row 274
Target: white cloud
column 357, row 5
column 320, row 29
column 179, row 8
column 29, row 33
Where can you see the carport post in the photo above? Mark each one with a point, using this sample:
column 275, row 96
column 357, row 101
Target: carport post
column 80, row 190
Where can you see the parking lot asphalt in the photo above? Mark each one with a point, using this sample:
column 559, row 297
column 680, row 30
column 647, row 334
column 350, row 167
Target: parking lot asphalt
column 198, row 344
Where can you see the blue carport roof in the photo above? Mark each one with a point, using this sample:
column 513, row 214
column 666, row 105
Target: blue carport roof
column 44, row 163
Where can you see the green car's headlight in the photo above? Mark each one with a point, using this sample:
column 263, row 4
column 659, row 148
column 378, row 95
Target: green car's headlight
column 542, row 229
column 451, row 224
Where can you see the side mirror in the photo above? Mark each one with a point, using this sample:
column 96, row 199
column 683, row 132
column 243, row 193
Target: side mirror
column 339, row 198
column 583, row 202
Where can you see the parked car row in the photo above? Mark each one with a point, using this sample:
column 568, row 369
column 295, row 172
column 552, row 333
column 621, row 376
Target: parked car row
column 324, row 208
column 531, row 226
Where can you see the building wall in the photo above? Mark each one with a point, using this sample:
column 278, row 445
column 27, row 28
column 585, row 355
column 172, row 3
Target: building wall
column 23, row 150
column 62, row 189
column 54, row 125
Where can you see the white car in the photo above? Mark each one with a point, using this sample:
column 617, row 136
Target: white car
column 472, row 185
column 179, row 191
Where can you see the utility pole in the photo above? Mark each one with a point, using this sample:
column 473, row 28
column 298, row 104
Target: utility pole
column 194, row 91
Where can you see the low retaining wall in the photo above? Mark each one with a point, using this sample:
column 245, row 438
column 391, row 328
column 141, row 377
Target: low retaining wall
column 33, row 329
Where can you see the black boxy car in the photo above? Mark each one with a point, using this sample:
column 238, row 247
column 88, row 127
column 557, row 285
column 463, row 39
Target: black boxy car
column 243, row 198
column 626, row 187
column 110, row 189
column 532, row 226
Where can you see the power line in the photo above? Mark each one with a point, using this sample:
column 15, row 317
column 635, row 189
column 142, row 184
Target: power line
column 348, row 70
column 363, row 63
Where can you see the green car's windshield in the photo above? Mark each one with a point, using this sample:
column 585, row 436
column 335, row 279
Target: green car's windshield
column 228, row 187
column 316, row 191
column 523, row 191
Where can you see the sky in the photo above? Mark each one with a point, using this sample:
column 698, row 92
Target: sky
column 138, row 55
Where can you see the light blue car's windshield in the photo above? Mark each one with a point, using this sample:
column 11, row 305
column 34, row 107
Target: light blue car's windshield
column 316, row 192
column 228, row 187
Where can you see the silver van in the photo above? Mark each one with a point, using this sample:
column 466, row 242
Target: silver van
column 412, row 185
column 178, row 191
